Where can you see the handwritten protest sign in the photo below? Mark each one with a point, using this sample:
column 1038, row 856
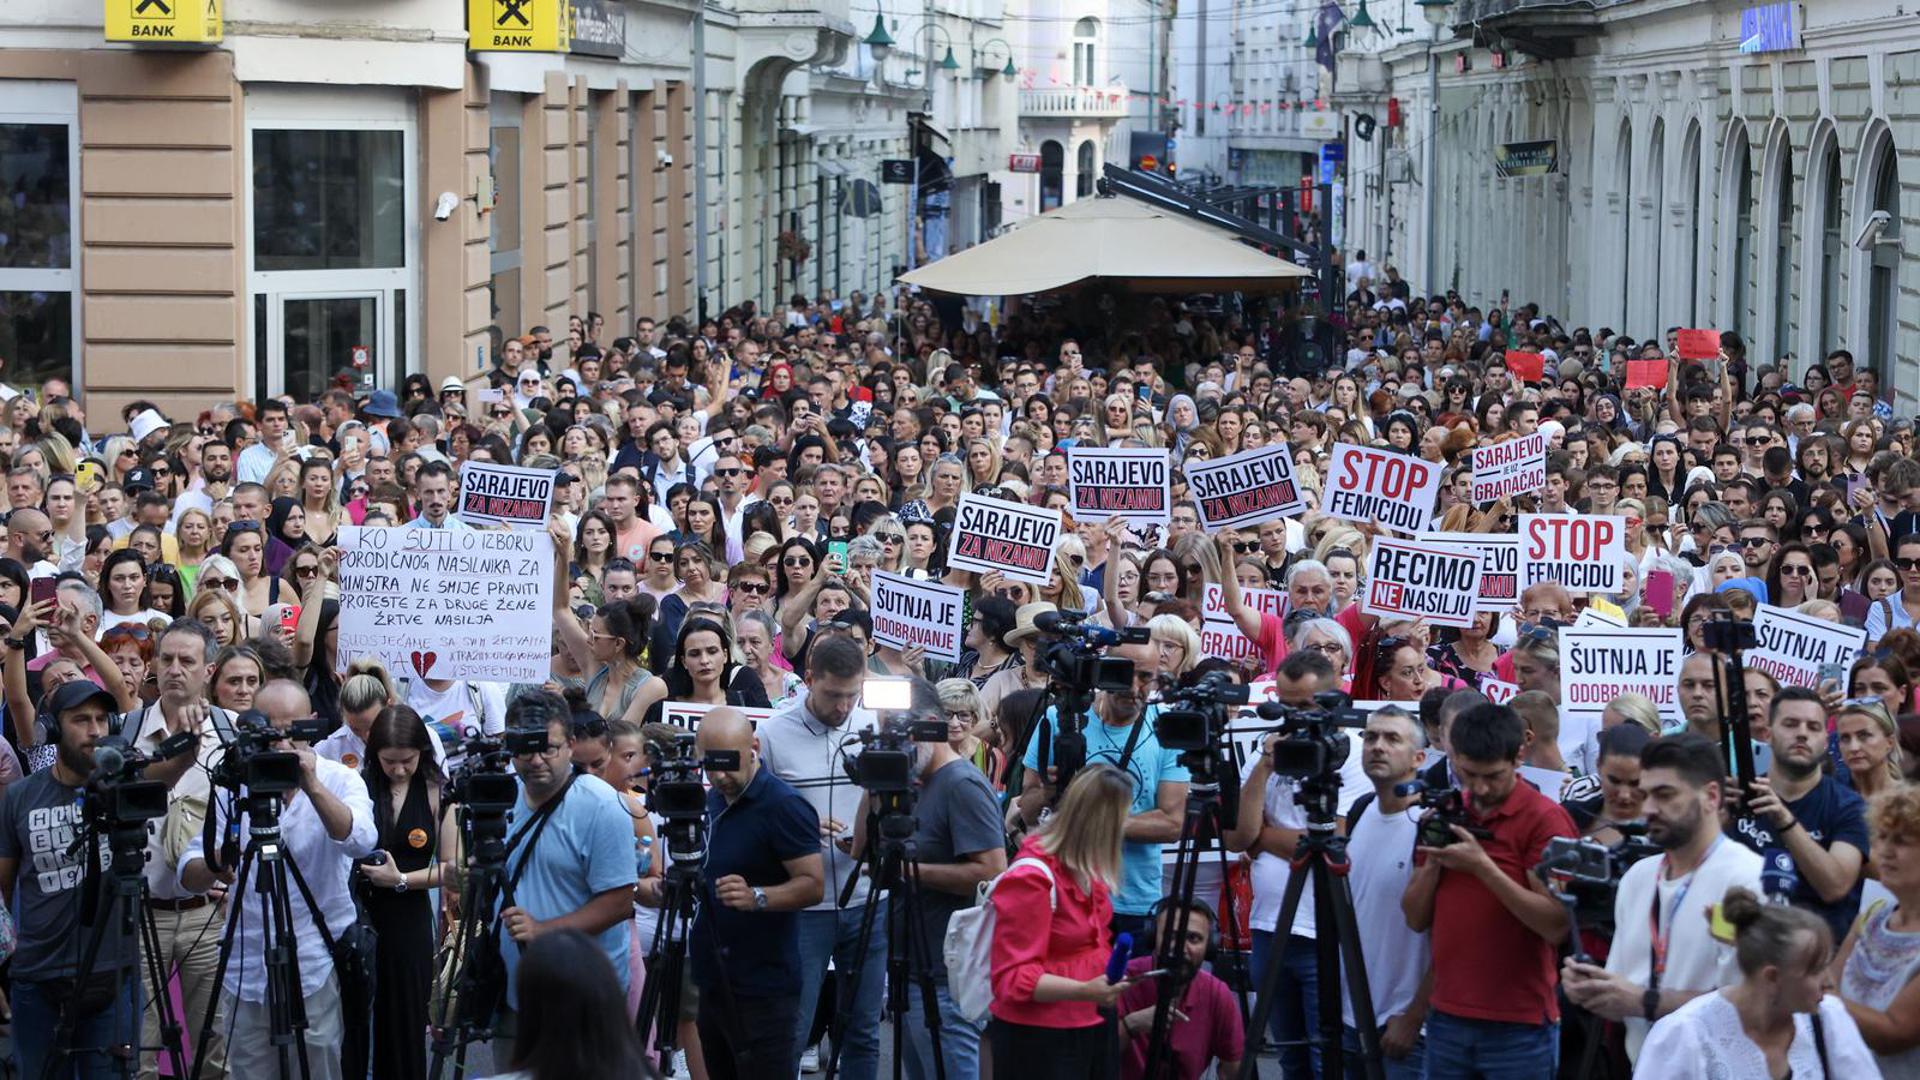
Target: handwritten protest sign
column 996, row 535
column 1794, row 647
column 1514, row 467
column 1220, row 635
column 1582, row 552
column 1697, row 344
column 505, row 495
column 1499, row 566
column 1651, row 374
column 1599, row 664
column 1245, row 488
column 907, row 612
column 686, row 714
column 1365, row 484
column 445, row 604
column 1132, row 483
column 1425, row 580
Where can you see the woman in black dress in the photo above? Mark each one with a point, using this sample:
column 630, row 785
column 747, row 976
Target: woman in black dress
column 404, row 780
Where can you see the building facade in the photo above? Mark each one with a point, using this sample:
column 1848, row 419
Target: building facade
column 1712, row 164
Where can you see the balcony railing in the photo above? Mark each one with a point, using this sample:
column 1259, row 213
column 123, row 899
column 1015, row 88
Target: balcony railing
column 1076, row 102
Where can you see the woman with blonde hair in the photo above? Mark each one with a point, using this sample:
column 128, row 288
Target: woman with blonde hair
column 218, row 609
column 1052, row 909
column 1351, row 540
column 970, row 731
column 1631, row 708
column 1063, row 589
column 1200, row 556
column 1869, row 744
column 58, row 454
column 1179, row 647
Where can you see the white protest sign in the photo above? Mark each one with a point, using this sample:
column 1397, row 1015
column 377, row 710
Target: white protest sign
column 1425, row 580
column 1133, row 483
column 907, row 612
column 1794, row 647
column 1599, row 664
column 1366, row 484
column 1499, row 567
column 1498, row 692
column 996, row 535
column 1245, row 488
column 446, row 604
column 1579, row 551
column 687, row 714
column 1220, row 635
column 1514, row 467
column 1593, row 616
column 505, row 495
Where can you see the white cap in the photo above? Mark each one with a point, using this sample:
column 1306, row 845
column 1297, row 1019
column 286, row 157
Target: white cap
column 144, row 423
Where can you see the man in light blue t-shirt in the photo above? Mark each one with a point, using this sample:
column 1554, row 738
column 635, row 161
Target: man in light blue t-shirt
column 576, row 870
column 1159, row 786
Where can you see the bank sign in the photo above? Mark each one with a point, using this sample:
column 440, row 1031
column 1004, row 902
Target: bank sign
column 164, row 22
column 1768, row 28
column 517, row 25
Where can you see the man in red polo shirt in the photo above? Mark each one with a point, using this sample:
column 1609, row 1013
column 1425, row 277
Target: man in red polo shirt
column 1493, row 924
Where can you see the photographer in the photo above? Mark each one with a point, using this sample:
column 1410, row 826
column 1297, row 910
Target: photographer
column 1121, row 734
column 763, row 866
column 1493, row 923
column 958, row 843
column 325, row 824
column 570, row 863
column 1205, row 1023
column 1664, row 953
column 1804, row 821
column 1270, row 825
column 40, row 819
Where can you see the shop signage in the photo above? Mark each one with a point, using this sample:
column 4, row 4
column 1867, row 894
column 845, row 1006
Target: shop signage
column 1023, row 163
column 596, row 28
column 164, row 22
column 896, row 171
column 1769, row 28
column 1539, row 157
column 517, row 25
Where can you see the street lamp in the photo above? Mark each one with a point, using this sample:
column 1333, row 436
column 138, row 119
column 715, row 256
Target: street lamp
column 985, row 49
column 1361, row 19
column 879, row 43
column 1438, row 15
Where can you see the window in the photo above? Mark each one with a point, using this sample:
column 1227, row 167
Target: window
column 1832, row 245
column 328, row 200
column 503, row 229
column 1883, row 284
column 1742, row 211
column 1783, row 252
column 39, row 170
column 1086, row 38
column 1084, row 166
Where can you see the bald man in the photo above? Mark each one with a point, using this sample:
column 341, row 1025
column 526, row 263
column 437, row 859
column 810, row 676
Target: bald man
column 763, row 865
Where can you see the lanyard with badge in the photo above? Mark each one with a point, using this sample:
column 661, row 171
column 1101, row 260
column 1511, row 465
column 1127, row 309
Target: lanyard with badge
column 1657, row 938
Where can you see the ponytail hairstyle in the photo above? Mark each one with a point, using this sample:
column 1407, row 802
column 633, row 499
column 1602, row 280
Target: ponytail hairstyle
column 1775, row 935
column 632, row 622
column 368, row 686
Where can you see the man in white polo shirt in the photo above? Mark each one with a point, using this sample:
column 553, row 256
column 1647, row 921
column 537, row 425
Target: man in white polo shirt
column 1664, row 953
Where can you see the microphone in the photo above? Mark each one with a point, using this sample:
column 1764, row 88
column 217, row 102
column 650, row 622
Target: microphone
column 109, row 756
column 1053, row 622
column 1117, row 963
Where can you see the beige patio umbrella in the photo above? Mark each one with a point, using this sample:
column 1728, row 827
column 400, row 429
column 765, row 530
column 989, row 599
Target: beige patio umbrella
column 1112, row 239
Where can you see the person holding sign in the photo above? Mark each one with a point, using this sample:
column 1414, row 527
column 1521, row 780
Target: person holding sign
column 702, row 671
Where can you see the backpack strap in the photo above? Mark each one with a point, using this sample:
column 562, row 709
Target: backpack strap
column 1053, row 887
column 1357, row 811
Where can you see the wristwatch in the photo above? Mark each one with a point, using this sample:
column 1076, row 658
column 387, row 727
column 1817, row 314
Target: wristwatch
column 1650, row 1005
column 401, row 885
column 759, row 898
column 16, row 644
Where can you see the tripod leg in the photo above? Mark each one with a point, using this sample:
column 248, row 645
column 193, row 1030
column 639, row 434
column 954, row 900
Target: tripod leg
column 849, row 992
column 1270, row 978
column 171, row 1035
column 1170, row 952
column 921, row 964
column 1359, row 990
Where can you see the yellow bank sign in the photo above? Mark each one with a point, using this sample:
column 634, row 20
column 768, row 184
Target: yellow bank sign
column 517, row 25
column 164, row 22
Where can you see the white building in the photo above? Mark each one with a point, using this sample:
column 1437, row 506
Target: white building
column 1695, row 183
column 1072, row 103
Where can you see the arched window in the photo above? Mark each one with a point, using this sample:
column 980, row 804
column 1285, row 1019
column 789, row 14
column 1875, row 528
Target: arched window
column 1883, row 284
column 1086, row 38
column 1832, row 250
column 1656, row 187
column 1084, row 165
column 1780, row 163
column 1690, row 178
column 1623, row 218
column 1053, row 159
column 1736, row 215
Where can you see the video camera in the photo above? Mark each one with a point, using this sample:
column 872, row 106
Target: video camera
column 1725, row 634
column 1591, row 871
column 678, row 791
column 114, row 793
column 251, row 758
column 1449, row 808
column 1194, row 718
column 1072, row 659
column 484, row 783
column 884, row 765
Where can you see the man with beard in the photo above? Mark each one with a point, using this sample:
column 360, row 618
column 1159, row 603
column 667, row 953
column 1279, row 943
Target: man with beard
column 1204, row 1024
column 1810, row 828
column 215, row 483
column 1664, row 954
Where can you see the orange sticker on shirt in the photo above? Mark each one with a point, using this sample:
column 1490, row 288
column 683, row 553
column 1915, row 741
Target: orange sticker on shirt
column 417, row 838
column 351, row 761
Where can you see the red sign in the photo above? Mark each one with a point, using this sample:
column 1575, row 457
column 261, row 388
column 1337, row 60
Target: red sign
column 1698, row 344
column 1526, row 366
column 1023, row 163
column 362, row 355
column 1649, row 373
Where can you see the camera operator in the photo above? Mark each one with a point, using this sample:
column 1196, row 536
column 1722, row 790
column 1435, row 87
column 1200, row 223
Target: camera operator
column 1664, row 953
column 187, row 924
column 1804, row 823
column 1121, row 734
column 1493, row 923
column 1271, row 824
column 1206, row 1026
column 806, row 744
column 1701, row 707
column 1398, row 959
column 570, row 862
column 40, row 820
column 958, row 843
column 325, row 825
column 763, row 866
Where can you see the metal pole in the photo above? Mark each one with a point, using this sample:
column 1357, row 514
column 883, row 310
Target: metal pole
column 700, row 160
column 1432, row 283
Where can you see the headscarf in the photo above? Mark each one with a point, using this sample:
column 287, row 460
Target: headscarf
column 277, row 520
column 1181, row 435
column 323, row 686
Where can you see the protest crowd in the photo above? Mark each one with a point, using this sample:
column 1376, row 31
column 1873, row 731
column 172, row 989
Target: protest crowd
column 1621, row 635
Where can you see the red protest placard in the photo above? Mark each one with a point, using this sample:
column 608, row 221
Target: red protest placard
column 1526, row 366
column 1698, row 344
column 1651, row 373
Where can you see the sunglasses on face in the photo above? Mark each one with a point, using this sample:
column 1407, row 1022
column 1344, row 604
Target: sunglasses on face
column 1906, row 564
column 305, row 571
column 754, row 588
column 796, row 561
column 1754, row 541
column 229, row 584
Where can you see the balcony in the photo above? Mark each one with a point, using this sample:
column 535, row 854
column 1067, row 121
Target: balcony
column 1548, row 29
column 1076, row 102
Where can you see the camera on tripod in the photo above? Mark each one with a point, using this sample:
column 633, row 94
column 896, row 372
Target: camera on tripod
column 1725, row 634
column 1449, row 808
column 678, row 791
column 252, row 759
column 1071, row 655
column 115, row 795
column 884, row 765
column 1589, row 872
column 483, row 783
column 1311, row 745
column 1194, row 718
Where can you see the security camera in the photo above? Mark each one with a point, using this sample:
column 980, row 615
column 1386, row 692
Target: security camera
column 1870, row 232
column 449, row 202
column 663, row 159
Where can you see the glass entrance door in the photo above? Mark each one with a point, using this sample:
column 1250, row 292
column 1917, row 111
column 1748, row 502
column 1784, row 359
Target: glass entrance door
column 313, row 340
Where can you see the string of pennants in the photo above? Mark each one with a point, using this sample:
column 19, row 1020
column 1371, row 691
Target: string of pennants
column 1242, row 108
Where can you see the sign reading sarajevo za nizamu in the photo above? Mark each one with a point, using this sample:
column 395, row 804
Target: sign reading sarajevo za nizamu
column 1131, row 483
column 1013, row 539
column 1246, row 488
